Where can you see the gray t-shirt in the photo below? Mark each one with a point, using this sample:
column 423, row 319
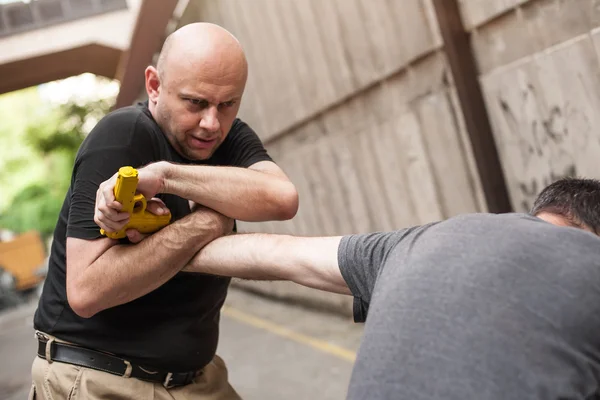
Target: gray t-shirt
column 479, row 306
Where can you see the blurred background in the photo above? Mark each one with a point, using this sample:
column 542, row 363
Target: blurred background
column 384, row 113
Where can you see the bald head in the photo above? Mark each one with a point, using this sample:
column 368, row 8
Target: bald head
column 195, row 91
column 203, row 47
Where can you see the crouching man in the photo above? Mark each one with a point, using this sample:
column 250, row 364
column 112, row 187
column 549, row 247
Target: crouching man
column 479, row 306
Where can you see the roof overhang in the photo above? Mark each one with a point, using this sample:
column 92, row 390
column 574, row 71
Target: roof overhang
column 95, row 58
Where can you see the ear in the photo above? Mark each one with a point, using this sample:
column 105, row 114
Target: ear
column 152, row 84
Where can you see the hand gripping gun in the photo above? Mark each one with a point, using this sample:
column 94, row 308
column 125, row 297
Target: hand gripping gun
column 135, row 204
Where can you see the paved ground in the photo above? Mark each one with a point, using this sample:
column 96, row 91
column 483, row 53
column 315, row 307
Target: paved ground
column 17, row 348
column 273, row 351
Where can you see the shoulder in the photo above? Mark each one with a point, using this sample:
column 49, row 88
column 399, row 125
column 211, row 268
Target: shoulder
column 120, row 128
column 524, row 232
column 123, row 117
column 241, row 148
column 116, row 124
column 490, row 220
column 240, row 130
column 240, row 135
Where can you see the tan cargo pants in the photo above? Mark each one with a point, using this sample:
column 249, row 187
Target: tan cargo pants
column 60, row 381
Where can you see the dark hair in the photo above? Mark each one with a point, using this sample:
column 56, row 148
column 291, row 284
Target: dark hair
column 576, row 199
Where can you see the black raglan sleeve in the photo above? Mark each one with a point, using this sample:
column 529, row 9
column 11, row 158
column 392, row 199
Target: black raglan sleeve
column 242, row 147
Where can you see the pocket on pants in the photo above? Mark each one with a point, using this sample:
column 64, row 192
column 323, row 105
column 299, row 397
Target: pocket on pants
column 60, row 381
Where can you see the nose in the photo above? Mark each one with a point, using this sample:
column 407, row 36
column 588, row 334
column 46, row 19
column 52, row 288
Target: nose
column 210, row 120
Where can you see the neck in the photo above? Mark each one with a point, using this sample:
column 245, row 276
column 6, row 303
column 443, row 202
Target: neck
column 170, row 139
column 152, row 108
column 560, row 220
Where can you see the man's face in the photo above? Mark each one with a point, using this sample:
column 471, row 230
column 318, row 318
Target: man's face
column 196, row 110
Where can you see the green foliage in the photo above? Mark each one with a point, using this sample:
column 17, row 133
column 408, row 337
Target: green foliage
column 64, row 130
column 18, row 166
column 38, row 164
column 35, row 207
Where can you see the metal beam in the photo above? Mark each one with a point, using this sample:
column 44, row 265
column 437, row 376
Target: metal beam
column 148, row 37
column 94, row 58
column 465, row 75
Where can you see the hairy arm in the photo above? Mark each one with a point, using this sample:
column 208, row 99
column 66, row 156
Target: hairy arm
column 102, row 274
column 261, row 192
column 308, row 261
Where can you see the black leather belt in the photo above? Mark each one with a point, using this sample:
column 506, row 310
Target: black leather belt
column 80, row 356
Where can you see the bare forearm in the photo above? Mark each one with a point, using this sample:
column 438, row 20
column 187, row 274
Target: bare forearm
column 238, row 193
column 308, row 261
column 126, row 272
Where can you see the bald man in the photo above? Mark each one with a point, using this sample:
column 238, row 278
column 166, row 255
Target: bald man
column 118, row 318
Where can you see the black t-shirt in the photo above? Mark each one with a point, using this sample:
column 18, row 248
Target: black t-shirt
column 176, row 326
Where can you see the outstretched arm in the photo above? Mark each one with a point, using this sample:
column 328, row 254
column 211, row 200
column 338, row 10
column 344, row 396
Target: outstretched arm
column 308, row 261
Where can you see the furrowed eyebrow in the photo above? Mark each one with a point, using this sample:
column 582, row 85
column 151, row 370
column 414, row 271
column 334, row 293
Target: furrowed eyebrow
column 200, row 98
column 193, row 96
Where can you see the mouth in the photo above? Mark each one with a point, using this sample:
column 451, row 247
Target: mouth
column 198, row 143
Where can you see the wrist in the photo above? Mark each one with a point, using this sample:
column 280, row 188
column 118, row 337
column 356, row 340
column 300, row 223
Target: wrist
column 223, row 225
column 212, row 222
column 165, row 173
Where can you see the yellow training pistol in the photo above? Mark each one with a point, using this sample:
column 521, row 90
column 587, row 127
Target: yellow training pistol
column 135, row 204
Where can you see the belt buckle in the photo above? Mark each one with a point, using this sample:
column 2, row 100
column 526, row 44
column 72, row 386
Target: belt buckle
column 167, row 381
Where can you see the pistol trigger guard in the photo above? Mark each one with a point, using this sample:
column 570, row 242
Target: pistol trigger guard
column 140, row 198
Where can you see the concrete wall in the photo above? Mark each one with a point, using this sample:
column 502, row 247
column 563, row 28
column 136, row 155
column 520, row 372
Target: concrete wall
column 355, row 101
column 540, row 74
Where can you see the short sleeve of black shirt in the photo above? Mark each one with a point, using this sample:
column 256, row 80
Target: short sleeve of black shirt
column 361, row 258
column 241, row 148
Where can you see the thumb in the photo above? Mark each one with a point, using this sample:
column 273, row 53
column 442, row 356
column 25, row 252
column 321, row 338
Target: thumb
column 157, row 207
column 134, row 236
